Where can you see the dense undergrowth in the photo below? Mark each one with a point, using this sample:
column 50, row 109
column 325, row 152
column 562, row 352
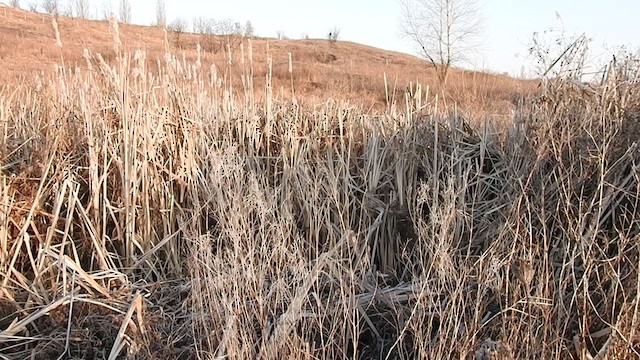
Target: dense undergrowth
column 169, row 215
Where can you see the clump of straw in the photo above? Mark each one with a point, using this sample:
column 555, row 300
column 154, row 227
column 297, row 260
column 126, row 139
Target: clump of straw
column 56, row 32
column 115, row 32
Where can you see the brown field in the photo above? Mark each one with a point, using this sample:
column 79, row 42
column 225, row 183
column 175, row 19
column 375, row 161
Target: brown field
column 321, row 69
column 153, row 206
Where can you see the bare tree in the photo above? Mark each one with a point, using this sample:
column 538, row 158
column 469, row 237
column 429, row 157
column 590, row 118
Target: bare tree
column 445, row 31
column 107, row 11
column 67, row 10
column 333, row 35
column 51, row 7
column 82, row 8
column 248, row 29
column 14, row 3
column 161, row 14
column 228, row 27
column 217, row 35
column 125, row 11
column 203, row 26
column 178, row 26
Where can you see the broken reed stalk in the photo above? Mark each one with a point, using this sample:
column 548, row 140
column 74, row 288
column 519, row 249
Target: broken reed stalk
column 262, row 228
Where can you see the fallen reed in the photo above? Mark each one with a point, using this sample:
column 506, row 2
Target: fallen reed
column 167, row 214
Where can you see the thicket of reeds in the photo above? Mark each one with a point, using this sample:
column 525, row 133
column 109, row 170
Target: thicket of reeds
column 168, row 215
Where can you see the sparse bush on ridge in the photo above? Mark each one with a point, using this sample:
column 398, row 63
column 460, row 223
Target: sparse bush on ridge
column 51, row 7
column 333, row 35
column 178, row 27
column 164, row 215
column 220, row 35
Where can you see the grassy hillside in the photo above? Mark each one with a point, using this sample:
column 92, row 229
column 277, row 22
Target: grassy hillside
column 320, row 68
column 179, row 210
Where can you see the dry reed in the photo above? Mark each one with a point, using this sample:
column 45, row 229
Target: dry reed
column 170, row 215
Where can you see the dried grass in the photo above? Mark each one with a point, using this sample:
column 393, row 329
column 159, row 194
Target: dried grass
column 170, row 214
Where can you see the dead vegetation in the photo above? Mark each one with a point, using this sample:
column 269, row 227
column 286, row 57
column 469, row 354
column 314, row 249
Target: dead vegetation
column 168, row 214
column 341, row 70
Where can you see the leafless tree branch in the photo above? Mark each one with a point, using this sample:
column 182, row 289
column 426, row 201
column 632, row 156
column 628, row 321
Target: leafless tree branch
column 82, row 8
column 161, row 14
column 444, row 31
column 125, row 11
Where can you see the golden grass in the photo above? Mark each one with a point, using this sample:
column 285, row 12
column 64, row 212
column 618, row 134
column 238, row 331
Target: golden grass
column 165, row 212
column 321, row 69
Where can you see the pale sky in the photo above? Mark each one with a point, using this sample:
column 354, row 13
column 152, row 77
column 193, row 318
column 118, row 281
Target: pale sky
column 508, row 24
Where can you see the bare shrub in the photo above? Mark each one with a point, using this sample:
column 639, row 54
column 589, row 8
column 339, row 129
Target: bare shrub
column 178, row 27
column 218, row 35
column 248, row 30
column 51, row 7
column 125, row 11
column 161, row 14
column 333, row 35
column 82, row 8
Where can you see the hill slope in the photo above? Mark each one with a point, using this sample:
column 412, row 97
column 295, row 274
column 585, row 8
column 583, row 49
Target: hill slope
column 320, row 68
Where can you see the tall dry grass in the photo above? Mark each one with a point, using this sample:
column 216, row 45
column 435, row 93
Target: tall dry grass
column 168, row 214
